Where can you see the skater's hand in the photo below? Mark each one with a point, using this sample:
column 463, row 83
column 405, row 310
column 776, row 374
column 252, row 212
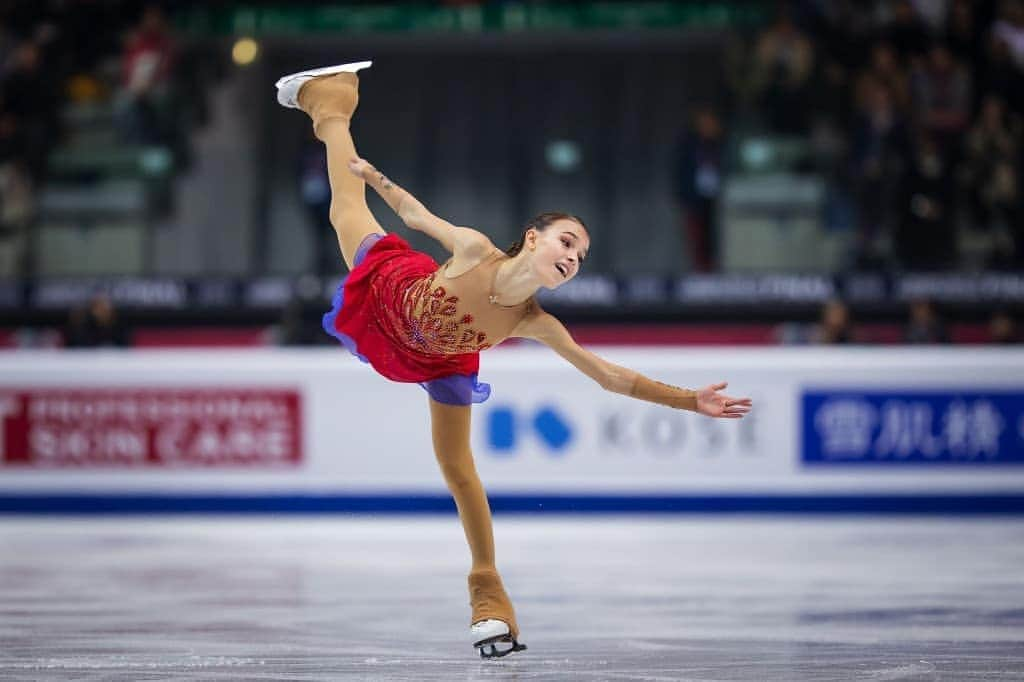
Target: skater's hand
column 360, row 167
column 714, row 404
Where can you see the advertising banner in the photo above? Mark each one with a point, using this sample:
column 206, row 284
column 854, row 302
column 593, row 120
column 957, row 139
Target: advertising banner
column 316, row 424
column 897, row 427
column 128, row 428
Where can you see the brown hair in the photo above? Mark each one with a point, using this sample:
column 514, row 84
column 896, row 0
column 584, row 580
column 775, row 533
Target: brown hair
column 541, row 223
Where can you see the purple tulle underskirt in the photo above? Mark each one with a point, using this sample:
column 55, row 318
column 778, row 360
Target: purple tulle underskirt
column 454, row 389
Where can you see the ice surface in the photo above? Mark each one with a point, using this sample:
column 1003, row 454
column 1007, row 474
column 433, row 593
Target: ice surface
column 598, row 598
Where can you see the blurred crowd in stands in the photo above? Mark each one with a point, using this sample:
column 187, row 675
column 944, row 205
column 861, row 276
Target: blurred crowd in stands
column 924, row 324
column 110, row 53
column 911, row 108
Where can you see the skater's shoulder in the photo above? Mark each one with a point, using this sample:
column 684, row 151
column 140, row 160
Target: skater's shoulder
column 471, row 249
column 470, row 243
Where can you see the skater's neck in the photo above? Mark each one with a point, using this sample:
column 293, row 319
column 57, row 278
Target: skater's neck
column 515, row 281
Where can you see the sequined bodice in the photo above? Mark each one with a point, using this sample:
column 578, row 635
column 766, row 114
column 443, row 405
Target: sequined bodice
column 443, row 315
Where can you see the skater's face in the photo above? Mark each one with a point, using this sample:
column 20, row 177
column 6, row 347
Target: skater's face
column 558, row 251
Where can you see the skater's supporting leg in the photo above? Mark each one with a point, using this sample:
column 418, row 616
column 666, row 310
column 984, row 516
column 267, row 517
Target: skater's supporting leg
column 330, row 102
column 450, row 427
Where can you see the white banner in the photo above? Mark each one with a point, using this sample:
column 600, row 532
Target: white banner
column 862, row 421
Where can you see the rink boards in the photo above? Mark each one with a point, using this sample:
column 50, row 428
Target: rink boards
column 865, row 429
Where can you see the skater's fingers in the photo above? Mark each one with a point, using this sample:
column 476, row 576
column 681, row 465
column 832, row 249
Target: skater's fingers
column 719, row 386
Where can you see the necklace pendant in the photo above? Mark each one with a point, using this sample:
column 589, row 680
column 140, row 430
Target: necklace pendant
column 493, row 299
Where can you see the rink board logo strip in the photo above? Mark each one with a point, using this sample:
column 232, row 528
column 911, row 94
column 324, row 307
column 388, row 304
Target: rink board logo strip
column 912, row 428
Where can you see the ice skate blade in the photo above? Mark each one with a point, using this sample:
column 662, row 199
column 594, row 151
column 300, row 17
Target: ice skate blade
column 489, row 649
column 288, row 86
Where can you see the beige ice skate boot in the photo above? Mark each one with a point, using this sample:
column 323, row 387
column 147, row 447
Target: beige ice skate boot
column 493, row 630
column 329, row 92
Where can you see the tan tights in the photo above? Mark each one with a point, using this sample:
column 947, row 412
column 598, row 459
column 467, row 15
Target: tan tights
column 330, row 102
column 450, row 430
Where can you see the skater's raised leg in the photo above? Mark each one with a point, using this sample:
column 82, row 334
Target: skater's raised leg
column 493, row 617
column 330, row 102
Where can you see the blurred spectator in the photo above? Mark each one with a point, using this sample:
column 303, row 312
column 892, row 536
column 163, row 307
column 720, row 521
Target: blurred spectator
column 924, row 324
column 1002, row 328
column 28, row 129
column 964, row 34
column 7, row 42
column 1002, row 77
column 907, row 31
column 835, row 326
column 925, row 235
column 315, row 192
column 30, row 100
column 880, row 147
column 738, row 94
column 782, row 68
column 1009, row 28
column 941, row 89
column 145, row 99
column 15, row 193
column 87, row 32
column 991, row 173
column 699, row 183
column 933, row 13
column 94, row 325
column 884, row 69
column 841, row 29
column 830, row 102
column 16, row 212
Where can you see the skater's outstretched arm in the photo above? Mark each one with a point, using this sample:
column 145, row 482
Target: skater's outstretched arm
column 457, row 240
column 547, row 329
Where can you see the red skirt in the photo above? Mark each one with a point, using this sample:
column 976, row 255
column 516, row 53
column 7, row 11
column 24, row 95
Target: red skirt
column 367, row 308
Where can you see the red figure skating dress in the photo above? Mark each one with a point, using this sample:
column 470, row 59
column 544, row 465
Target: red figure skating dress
column 398, row 311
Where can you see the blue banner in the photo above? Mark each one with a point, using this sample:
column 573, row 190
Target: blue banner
column 912, row 427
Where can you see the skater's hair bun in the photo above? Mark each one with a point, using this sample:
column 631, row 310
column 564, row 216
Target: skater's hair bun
column 541, row 223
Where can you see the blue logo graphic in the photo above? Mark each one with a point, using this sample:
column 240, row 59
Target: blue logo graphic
column 913, row 427
column 547, row 423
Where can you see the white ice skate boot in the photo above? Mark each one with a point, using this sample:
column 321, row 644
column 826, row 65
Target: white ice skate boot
column 288, row 86
column 494, row 639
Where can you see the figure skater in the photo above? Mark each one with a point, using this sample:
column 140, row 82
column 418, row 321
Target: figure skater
column 414, row 321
